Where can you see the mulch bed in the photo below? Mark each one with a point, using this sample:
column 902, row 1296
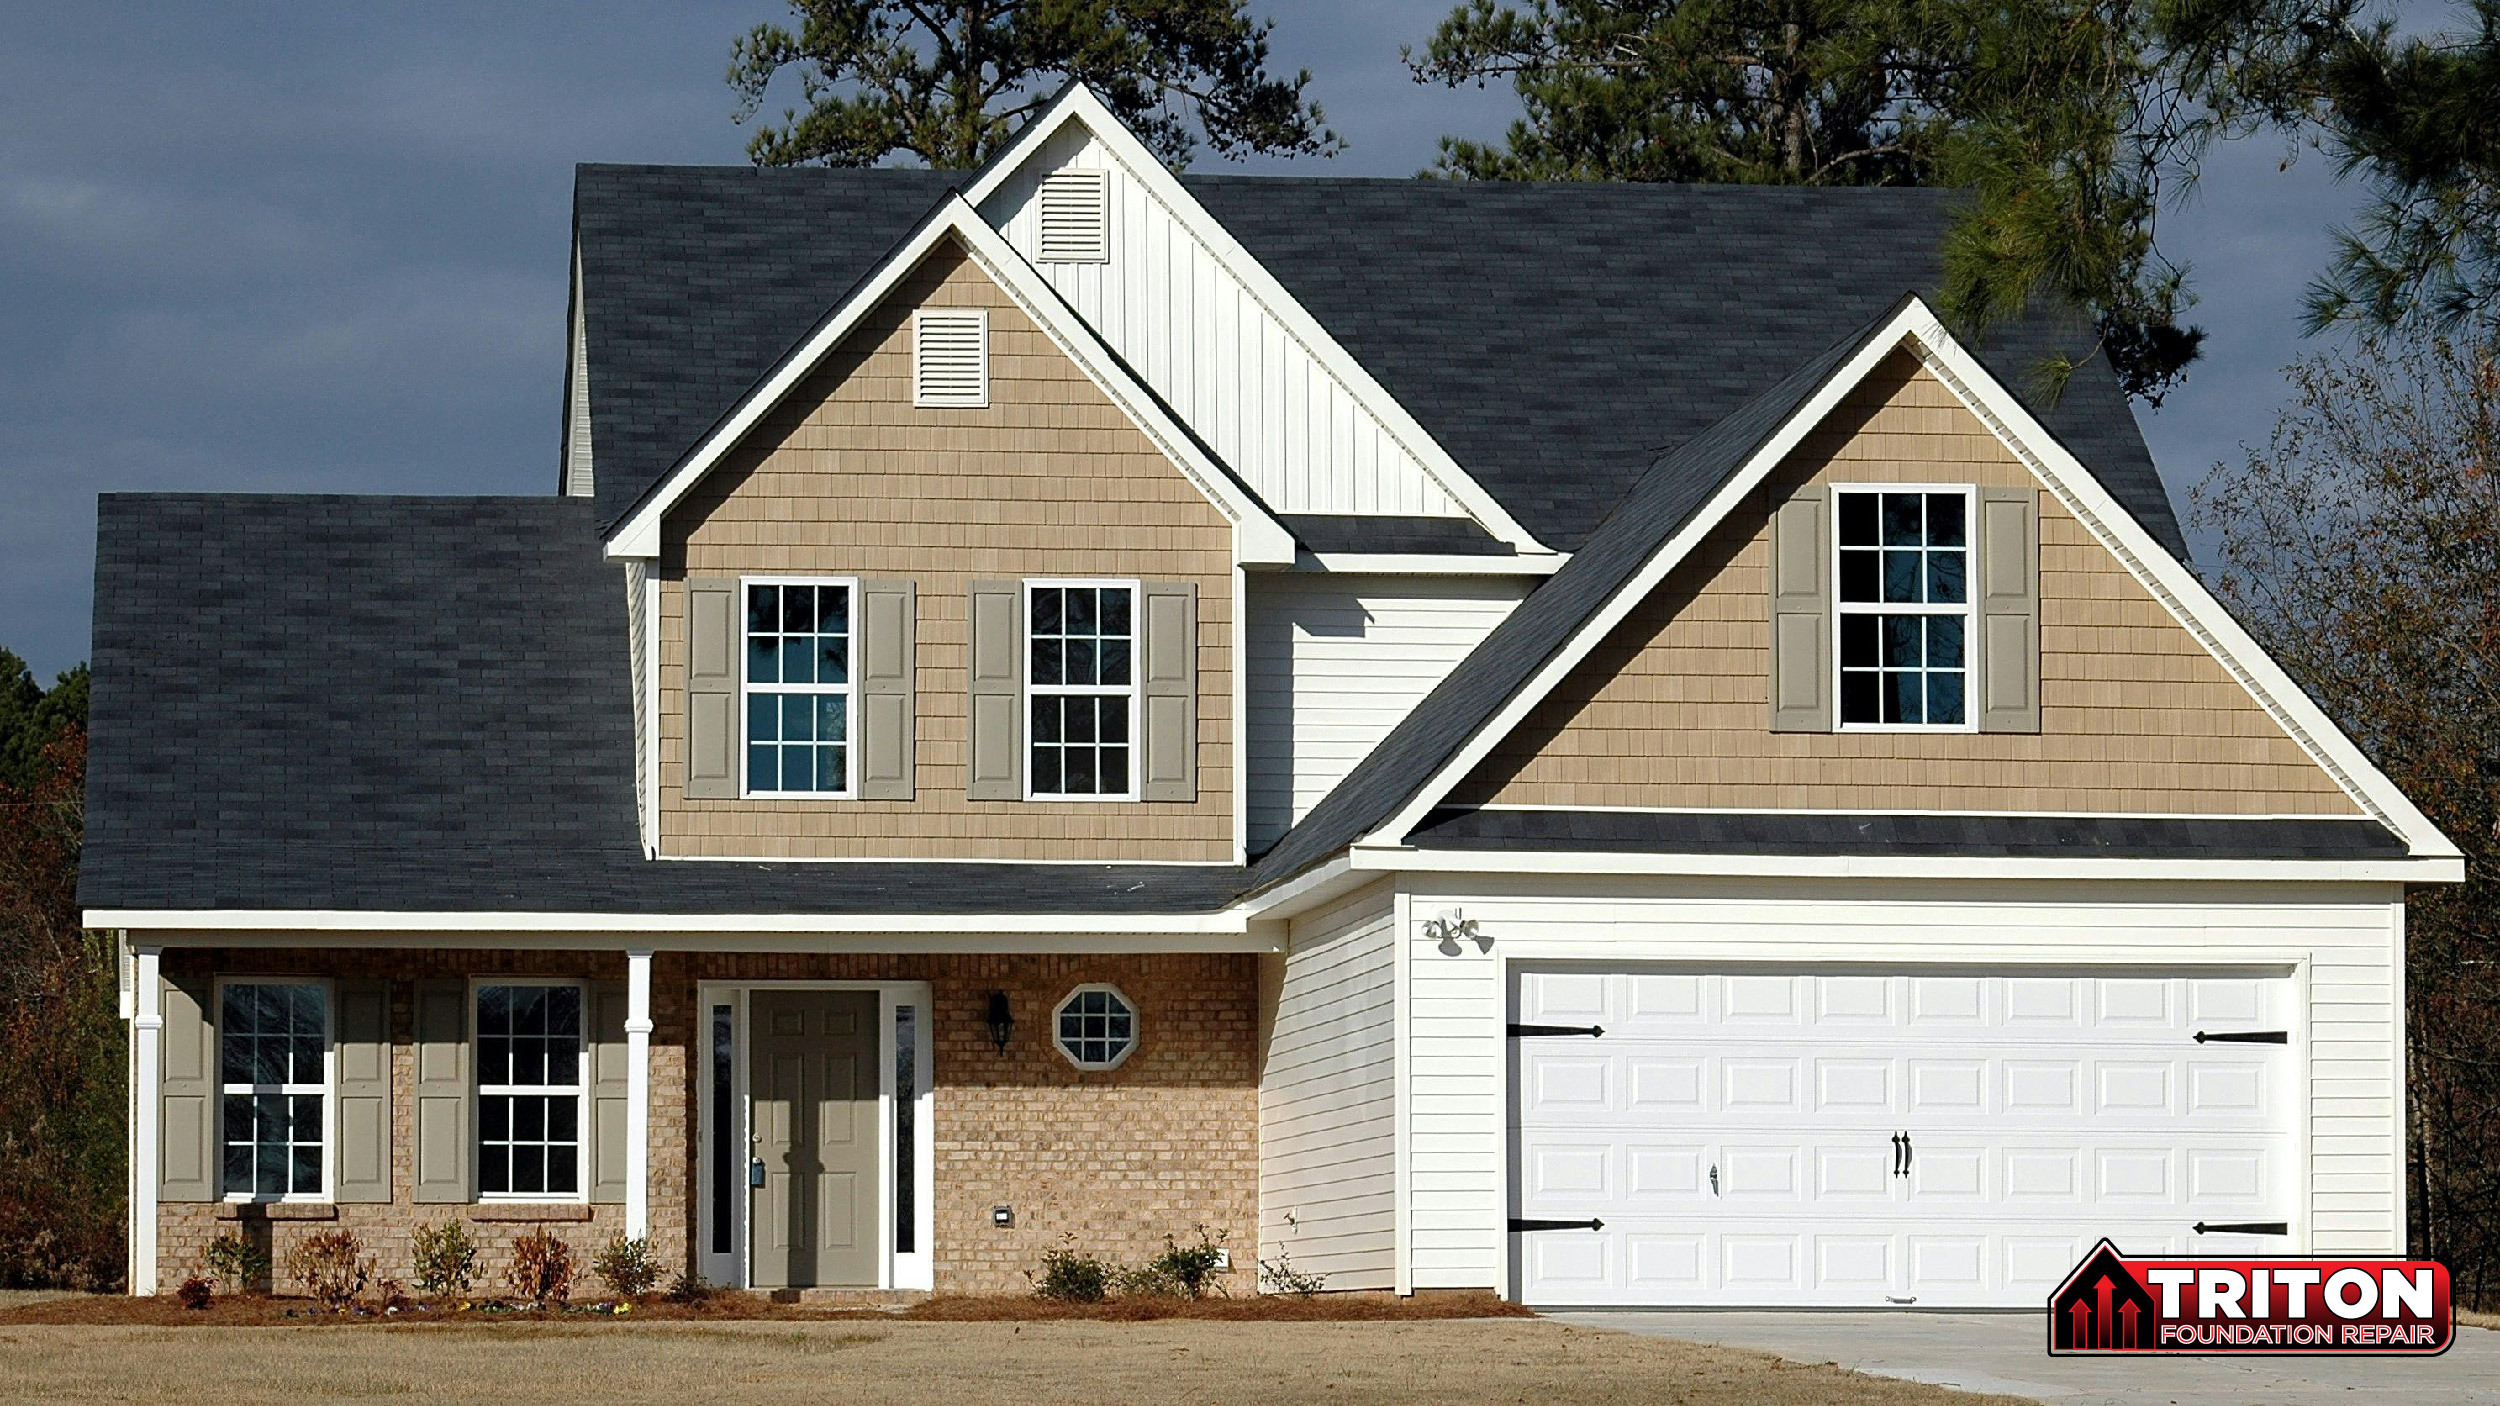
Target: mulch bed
column 257, row 1311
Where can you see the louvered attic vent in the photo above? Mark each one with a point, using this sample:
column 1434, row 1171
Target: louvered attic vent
column 950, row 359
column 1076, row 217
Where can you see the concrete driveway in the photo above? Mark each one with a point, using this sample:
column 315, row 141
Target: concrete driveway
column 2003, row 1352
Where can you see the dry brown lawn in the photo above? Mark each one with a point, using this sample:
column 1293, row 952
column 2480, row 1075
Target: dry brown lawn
column 1030, row 1364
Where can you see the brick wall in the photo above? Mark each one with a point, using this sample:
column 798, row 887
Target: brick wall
column 1117, row 1159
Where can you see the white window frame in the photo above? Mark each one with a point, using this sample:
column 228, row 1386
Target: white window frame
column 848, row 691
column 329, row 1089
column 479, row 1091
column 1032, row 690
column 1968, row 610
column 1136, row 1032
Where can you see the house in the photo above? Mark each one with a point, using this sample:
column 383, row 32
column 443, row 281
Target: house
column 1571, row 740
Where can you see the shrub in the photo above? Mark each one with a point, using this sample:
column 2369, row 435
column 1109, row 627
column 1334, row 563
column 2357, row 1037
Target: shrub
column 629, row 1266
column 237, row 1260
column 1181, row 1271
column 332, row 1267
column 446, row 1258
column 542, row 1269
column 1069, row 1275
column 195, row 1292
column 690, row 1288
column 1281, row 1277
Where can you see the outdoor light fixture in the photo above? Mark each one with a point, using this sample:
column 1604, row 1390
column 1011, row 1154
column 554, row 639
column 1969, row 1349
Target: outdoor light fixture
column 1004, row 1217
column 1002, row 1021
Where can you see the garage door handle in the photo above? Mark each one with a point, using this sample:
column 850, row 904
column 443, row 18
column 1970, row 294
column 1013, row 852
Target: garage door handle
column 2245, row 1227
column 2244, row 1037
column 1592, row 1223
column 1518, row 1030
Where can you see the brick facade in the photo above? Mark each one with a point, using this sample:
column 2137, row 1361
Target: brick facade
column 1117, row 1159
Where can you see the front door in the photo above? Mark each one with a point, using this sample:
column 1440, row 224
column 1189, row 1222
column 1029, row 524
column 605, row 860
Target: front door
column 813, row 1080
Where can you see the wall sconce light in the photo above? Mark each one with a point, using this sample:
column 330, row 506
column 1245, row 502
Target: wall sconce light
column 1450, row 927
column 1002, row 1021
column 1004, row 1217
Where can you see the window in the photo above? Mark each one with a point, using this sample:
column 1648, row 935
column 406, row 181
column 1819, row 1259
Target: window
column 950, row 359
column 273, row 1061
column 1904, row 604
column 798, row 679
column 1082, row 686
column 906, row 1140
column 1095, row 1027
column 725, row 1162
column 529, row 1090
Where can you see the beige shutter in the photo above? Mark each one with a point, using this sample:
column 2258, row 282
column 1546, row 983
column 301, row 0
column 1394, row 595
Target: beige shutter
column 187, row 1115
column 881, row 677
column 995, row 756
column 605, row 1153
column 1801, row 613
column 2009, row 610
column 713, row 645
column 443, row 1153
column 1167, row 692
column 364, row 1114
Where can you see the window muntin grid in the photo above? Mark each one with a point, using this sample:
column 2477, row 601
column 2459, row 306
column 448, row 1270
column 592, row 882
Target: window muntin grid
column 273, row 1076
column 1081, row 686
column 1903, row 599
column 1095, row 1027
column 529, row 1090
column 798, row 687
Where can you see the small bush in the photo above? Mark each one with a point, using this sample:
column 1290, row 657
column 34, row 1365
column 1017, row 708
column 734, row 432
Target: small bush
column 242, row 1265
column 1281, row 1277
column 1181, row 1271
column 332, row 1267
column 629, row 1266
column 1069, row 1275
column 446, row 1258
column 195, row 1292
column 690, row 1288
column 542, row 1269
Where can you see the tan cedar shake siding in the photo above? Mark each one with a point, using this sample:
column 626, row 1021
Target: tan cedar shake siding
column 1671, row 711
column 1051, row 480
column 1116, row 1158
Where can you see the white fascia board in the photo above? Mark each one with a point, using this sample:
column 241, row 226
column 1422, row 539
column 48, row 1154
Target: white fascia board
column 1424, row 564
column 1305, row 891
column 1079, row 926
column 2175, row 585
column 1396, row 859
column 1594, row 630
column 1258, row 538
column 1078, row 104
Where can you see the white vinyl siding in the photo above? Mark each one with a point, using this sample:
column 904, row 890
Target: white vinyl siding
column 1224, row 362
column 1327, row 1096
column 2339, row 942
column 1335, row 662
column 578, row 479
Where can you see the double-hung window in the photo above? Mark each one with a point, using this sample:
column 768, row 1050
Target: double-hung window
column 1082, row 688
column 273, row 1062
column 798, row 688
column 1904, row 607
column 529, row 1090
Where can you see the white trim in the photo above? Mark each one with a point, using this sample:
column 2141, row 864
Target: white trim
column 650, row 685
column 1258, row 537
column 2079, row 493
column 1402, row 1092
column 2401, row 1076
column 638, row 1092
column 215, row 1018
column 1887, row 810
column 1078, row 104
column 147, row 1148
column 1136, row 1032
column 1239, row 762
column 847, row 691
column 2412, row 870
column 1430, row 564
column 479, row 1091
column 1031, row 690
column 964, row 859
column 1967, row 612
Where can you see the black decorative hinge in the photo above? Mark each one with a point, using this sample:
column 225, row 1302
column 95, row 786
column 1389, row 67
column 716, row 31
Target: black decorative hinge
column 1592, row 1223
column 2244, row 1037
column 2244, row 1227
column 1517, row 1029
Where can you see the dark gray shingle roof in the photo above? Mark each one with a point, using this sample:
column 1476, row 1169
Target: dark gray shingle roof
column 2002, row 836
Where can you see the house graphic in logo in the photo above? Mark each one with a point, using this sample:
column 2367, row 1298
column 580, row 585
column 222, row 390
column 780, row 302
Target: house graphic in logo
column 2102, row 1307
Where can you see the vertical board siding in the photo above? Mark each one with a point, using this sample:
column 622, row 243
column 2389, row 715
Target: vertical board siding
column 1336, row 662
column 1327, row 1096
column 1230, row 369
column 1673, row 708
column 2344, row 935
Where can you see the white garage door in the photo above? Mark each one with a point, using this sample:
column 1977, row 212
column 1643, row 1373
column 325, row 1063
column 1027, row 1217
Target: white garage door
column 1938, row 1137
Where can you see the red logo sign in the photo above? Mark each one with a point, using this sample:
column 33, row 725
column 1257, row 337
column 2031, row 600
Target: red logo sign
column 2119, row 1303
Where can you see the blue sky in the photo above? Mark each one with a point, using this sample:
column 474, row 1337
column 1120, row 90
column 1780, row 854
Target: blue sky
column 321, row 248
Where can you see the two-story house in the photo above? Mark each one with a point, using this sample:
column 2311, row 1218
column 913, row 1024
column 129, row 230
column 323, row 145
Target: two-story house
column 1566, row 739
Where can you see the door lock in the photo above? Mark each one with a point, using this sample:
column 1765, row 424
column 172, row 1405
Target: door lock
column 1714, row 1178
column 755, row 1171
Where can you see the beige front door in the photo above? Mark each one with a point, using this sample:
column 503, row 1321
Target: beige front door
column 814, row 1086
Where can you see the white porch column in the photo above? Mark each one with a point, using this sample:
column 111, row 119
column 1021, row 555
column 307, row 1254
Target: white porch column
column 637, row 1093
column 147, row 1067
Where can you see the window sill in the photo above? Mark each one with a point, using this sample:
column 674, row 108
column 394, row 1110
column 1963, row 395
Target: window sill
column 508, row 1212
column 277, row 1210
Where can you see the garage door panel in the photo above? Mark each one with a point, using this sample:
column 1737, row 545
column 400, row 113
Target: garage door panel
column 1945, row 1087
column 1760, row 1000
column 1853, row 1084
column 1947, row 1002
column 1666, row 1263
column 1854, row 1001
column 1853, row 1174
column 1765, row 1084
column 1864, row 1263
